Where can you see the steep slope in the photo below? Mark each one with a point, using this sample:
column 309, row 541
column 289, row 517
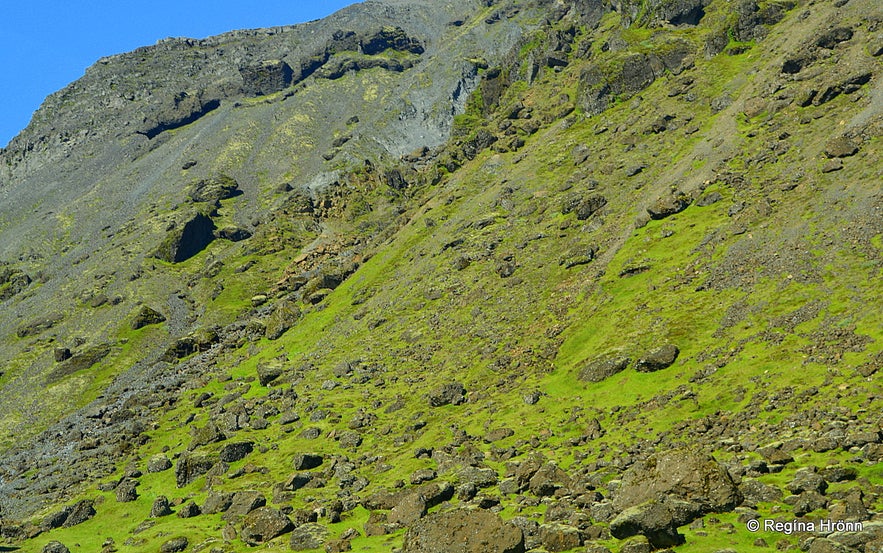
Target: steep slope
column 651, row 234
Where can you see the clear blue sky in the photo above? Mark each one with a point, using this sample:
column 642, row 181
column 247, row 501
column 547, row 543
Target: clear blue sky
column 47, row 44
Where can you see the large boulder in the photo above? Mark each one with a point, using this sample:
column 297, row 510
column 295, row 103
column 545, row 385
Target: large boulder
column 55, row 547
column 264, row 524
column 657, row 359
column 463, row 531
column 689, row 476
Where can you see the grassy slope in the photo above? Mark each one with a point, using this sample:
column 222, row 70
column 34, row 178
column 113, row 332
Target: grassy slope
column 421, row 322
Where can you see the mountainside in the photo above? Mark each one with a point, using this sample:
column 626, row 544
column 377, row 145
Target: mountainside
column 512, row 275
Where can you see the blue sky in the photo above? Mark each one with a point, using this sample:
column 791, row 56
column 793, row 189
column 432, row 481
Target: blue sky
column 45, row 45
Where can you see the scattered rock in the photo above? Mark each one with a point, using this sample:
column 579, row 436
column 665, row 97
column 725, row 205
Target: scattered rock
column 283, row 317
column 217, row 502
column 208, row 434
column 243, row 503
column 308, row 536
column 559, row 537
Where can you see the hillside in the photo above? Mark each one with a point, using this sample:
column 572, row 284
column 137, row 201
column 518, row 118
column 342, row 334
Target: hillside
column 514, row 275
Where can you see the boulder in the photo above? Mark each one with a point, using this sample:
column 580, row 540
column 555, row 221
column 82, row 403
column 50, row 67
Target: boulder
column 840, row 147
column 657, row 359
column 217, row 502
column 158, row 463
column 208, row 434
column 192, row 466
column 283, row 317
column 243, row 503
column 80, row 512
column 214, row 189
column 453, row 393
column 266, row 77
column 463, row 531
column 189, row 510
column 652, row 520
column 598, row 369
column 559, row 537
column 160, row 507
column 307, row 461
column 174, row 545
column 237, row 451
column 55, row 547
column 126, row 491
column 268, row 373
column 690, row 476
column 264, row 524
column 146, row 316
column 668, row 205
column 308, row 536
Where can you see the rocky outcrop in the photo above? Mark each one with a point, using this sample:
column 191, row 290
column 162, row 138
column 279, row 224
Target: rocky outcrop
column 266, row 77
column 182, row 109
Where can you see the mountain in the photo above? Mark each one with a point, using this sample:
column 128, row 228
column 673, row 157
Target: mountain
column 512, row 275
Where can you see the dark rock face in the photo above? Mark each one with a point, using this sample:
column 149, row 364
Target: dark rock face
column 463, row 531
column 266, row 77
column 187, row 240
column 657, row 359
column 264, row 524
column 181, row 110
column 391, row 38
column 605, row 367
